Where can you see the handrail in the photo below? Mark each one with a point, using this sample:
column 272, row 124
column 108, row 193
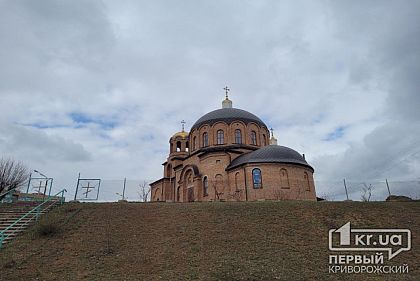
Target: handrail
column 2, row 196
column 36, row 209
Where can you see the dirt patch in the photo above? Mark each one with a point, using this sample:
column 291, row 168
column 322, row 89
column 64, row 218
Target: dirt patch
column 202, row 241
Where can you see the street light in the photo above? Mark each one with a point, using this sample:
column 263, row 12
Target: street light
column 46, row 182
column 41, row 174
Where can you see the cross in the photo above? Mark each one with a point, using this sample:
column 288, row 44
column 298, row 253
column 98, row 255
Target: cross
column 272, row 132
column 87, row 189
column 39, row 187
column 226, row 90
column 183, row 124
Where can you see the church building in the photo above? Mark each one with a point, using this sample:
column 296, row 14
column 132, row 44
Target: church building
column 228, row 155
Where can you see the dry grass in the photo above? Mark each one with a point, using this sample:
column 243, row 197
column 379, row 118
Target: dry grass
column 202, row 241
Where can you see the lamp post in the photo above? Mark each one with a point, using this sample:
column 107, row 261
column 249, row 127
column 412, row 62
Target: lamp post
column 46, row 183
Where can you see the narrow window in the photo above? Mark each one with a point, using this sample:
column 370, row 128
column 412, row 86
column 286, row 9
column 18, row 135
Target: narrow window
column 238, row 136
column 220, row 137
column 205, row 186
column 264, row 140
column 178, row 193
column 284, row 179
column 205, row 139
column 237, row 180
column 253, row 138
column 178, row 146
column 194, row 143
column 307, row 184
column 256, row 178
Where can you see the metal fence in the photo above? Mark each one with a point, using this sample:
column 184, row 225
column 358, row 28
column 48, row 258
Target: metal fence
column 380, row 190
column 112, row 190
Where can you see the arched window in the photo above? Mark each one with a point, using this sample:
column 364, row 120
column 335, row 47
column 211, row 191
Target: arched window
column 178, row 146
column 237, row 180
column 256, row 178
column 238, row 136
column 205, row 186
column 219, row 186
column 284, row 179
column 194, row 143
column 187, row 145
column 264, row 139
column 306, row 181
column 220, row 137
column 169, row 171
column 178, row 194
column 205, row 139
column 253, row 138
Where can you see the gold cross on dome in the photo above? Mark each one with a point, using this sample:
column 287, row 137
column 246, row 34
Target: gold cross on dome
column 226, row 90
column 183, row 124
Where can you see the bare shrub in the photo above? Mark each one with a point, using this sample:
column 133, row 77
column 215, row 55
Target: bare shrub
column 144, row 191
column 47, row 228
column 366, row 192
column 13, row 175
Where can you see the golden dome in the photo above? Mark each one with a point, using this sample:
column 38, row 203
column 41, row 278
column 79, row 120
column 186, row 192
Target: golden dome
column 182, row 134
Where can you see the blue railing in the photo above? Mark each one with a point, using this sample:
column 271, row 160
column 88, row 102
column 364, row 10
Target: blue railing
column 7, row 197
column 35, row 212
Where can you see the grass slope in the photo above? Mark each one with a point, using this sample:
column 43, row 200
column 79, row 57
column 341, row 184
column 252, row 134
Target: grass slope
column 199, row 241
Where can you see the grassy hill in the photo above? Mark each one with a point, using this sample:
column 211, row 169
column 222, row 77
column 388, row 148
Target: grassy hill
column 200, row 241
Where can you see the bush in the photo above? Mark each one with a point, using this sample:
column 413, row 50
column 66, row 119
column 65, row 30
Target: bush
column 46, row 229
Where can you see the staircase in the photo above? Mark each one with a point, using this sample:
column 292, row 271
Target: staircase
column 18, row 216
column 10, row 214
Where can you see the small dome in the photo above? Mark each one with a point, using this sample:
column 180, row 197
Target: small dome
column 271, row 154
column 182, row 134
column 227, row 115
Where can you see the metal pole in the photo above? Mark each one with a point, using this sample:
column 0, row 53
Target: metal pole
column 345, row 187
column 125, row 180
column 37, row 212
column 29, row 183
column 1, row 239
column 51, row 183
column 387, row 185
column 45, row 189
column 77, row 187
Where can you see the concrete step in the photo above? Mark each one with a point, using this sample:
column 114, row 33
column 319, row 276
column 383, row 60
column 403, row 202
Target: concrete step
column 10, row 216
column 2, row 227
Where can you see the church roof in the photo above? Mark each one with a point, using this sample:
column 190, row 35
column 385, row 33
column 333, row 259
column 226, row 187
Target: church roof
column 227, row 115
column 182, row 134
column 270, row 154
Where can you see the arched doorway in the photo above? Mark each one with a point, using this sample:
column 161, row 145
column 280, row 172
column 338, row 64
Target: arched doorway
column 189, row 184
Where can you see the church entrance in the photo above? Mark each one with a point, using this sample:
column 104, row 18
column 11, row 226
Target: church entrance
column 191, row 194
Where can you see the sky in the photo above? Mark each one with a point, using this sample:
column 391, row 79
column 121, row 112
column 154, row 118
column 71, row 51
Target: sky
column 99, row 87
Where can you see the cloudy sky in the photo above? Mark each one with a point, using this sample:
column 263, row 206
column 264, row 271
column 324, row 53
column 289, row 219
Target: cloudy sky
column 98, row 87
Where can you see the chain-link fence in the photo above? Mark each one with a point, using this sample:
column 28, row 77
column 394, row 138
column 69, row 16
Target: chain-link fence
column 366, row 190
column 111, row 190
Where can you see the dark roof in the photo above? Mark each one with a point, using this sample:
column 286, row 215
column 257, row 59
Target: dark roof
column 227, row 115
column 270, row 154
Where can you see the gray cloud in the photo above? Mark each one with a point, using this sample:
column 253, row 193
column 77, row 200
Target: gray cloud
column 36, row 146
column 136, row 68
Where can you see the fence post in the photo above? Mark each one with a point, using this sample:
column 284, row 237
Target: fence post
column 387, row 185
column 345, row 187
